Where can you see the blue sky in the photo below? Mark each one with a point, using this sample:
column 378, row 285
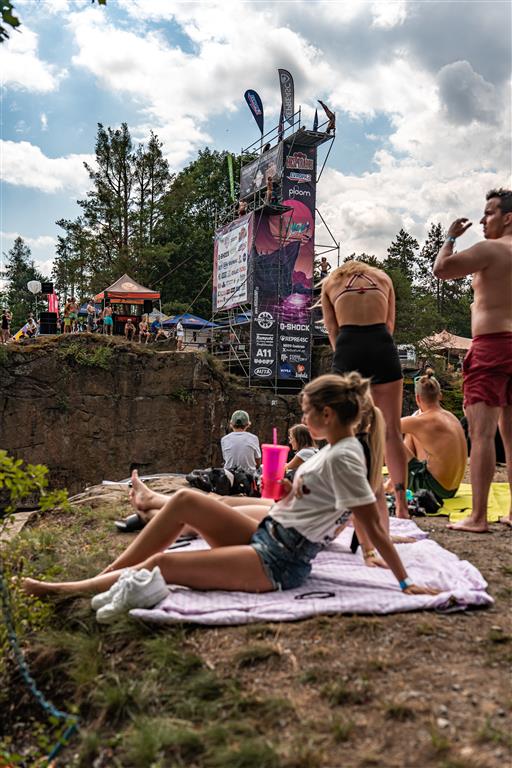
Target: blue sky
column 421, row 92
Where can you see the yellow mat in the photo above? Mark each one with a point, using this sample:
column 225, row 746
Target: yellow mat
column 461, row 504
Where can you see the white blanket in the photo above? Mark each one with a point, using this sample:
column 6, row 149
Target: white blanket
column 340, row 582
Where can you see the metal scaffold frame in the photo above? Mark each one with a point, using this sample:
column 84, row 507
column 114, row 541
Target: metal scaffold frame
column 235, row 323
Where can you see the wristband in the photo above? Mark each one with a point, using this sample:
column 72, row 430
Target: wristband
column 450, row 239
column 407, row 582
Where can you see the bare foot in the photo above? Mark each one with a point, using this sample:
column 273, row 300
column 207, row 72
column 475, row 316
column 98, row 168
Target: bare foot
column 403, row 514
column 35, row 587
column 469, row 525
column 403, row 540
column 506, row 520
column 141, row 498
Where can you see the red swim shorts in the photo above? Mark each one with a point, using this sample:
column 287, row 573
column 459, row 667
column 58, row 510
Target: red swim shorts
column 487, row 370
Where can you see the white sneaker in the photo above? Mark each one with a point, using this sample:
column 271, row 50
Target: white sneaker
column 140, row 590
column 98, row 601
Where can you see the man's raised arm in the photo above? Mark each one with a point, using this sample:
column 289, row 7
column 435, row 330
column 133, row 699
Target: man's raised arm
column 451, row 266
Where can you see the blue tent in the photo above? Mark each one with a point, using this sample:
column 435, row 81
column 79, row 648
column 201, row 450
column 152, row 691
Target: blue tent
column 189, row 321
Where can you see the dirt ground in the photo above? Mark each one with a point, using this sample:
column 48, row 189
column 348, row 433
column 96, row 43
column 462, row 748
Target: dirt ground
column 413, row 690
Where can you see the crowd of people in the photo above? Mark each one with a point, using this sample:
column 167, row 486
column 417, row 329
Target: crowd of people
column 356, row 413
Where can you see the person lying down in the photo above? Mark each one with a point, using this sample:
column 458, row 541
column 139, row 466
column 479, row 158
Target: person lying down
column 246, row 555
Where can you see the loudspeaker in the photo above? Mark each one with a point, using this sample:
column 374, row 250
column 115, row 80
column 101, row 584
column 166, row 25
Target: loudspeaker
column 148, row 306
column 47, row 322
column 47, row 288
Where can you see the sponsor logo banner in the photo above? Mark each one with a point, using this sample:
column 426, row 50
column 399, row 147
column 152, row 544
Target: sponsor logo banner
column 256, row 106
column 253, row 176
column 230, row 263
column 287, row 94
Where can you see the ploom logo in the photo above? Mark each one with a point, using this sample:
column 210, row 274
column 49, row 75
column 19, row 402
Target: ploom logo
column 262, row 372
column 300, row 162
column 298, row 192
column 265, row 320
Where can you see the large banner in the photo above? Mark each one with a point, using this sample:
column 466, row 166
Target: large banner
column 253, row 176
column 282, row 269
column 230, row 263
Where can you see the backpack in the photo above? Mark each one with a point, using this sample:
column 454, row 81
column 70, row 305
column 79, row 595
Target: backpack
column 223, row 481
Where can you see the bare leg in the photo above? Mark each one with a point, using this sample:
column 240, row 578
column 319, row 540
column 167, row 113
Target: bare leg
column 388, row 397
column 219, row 525
column 505, row 422
column 232, row 568
column 482, row 421
column 143, row 498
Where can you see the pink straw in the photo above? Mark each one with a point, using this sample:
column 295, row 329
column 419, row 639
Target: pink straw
column 274, row 435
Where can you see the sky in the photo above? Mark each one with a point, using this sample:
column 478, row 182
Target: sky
column 421, row 92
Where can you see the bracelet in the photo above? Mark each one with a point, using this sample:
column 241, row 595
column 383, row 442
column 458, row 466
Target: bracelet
column 450, row 239
column 407, row 582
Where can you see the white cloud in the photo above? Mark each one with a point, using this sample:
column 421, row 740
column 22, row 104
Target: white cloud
column 387, row 15
column 24, row 165
column 366, row 212
column 42, row 249
column 21, row 67
column 44, row 121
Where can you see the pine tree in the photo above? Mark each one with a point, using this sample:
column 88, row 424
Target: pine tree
column 401, row 254
column 19, row 270
column 424, row 274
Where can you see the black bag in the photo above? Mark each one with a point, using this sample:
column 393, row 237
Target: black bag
column 244, row 483
column 200, row 478
column 427, row 501
column 224, row 481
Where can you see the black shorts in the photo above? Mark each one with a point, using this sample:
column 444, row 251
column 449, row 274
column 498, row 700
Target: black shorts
column 368, row 349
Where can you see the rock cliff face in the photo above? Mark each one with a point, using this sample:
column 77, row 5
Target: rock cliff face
column 90, row 409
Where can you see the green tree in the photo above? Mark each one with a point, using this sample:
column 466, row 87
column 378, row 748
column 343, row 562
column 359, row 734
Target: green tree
column 366, row 258
column 71, row 267
column 198, row 201
column 9, row 19
column 402, row 254
column 18, row 272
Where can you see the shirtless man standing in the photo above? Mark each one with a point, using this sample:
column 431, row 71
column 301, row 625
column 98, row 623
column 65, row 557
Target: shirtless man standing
column 487, row 368
column 435, row 442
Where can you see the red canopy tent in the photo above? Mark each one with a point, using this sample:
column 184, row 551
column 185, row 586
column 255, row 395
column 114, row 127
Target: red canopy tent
column 127, row 290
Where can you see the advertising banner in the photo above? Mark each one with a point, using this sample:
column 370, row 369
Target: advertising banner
column 256, row 106
column 282, row 269
column 287, row 94
column 253, row 176
column 230, row 263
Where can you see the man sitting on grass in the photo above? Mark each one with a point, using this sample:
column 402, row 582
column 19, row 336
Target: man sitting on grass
column 435, row 442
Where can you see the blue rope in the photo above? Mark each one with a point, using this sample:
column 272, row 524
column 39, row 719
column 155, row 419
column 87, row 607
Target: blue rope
column 46, row 705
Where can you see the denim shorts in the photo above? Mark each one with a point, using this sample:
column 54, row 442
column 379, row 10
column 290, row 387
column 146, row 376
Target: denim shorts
column 285, row 553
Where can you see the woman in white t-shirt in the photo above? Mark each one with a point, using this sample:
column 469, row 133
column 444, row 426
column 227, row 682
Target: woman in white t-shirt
column 302, row 444
column 276, row 553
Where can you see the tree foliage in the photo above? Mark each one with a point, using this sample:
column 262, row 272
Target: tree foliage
column 19, row 270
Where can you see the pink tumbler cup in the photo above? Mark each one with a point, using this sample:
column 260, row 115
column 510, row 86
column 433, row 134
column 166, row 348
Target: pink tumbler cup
column 273, row 460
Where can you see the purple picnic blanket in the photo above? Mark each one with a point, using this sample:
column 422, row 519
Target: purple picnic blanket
column 340, row 582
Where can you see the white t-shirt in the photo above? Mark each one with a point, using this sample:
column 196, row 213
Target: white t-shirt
column 240, row 449
column 306, row 453
column 179, row 329
column 336, row 480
